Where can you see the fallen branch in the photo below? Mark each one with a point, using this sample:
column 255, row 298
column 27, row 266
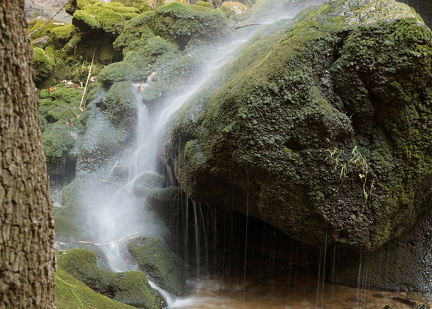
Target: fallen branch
column 120, row 185
column 248, row 25
column 87, row 81
column 125, row 238
column 109, row 175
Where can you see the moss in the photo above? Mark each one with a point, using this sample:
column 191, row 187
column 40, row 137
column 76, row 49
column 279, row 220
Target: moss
column 64, row 33
column 163, row 201
column 325, row 81
column 204, row 4
column 81, row 264
column 107, row 16
column 67, row 218
column 121, row 105
column 132, row 287
column 183, row 23
column 43, row 66
column 58, row 140
column 120, row 71
column 146, row 182
column 71, row 293
column 165, row 268
column 87, row 18
column 128, row 287
column 136, row 28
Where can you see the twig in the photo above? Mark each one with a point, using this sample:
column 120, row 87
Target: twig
column 248, row 25
column 87, row 81
column 109, row 175
column 117, row 184
column 124, row 238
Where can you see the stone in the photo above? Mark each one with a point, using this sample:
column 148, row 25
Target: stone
column 321, row 127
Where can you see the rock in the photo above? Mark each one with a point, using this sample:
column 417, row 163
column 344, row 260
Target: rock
column 107, row 135
column 163, row 267
column 129, row 287
column 185, row 24
column 71, row 293
column 146, row 182
column 163, row 201
column 394, row 266
column 235, row 7
column 424, row 8
column 320, row 128
column 44, row 67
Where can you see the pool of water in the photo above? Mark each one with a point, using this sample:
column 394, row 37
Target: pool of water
column 288, row 290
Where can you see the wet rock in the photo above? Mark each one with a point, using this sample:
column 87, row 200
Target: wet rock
column 72, row 293
column 403, row 264
column 163, row 201
column 162, row 266
column 129, row 287
column 320, row 128
column 146, row 182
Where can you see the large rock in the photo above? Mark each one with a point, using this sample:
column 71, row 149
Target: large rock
column 162, row 266
column 402, row 264
column 129, row 287
column 321, row 128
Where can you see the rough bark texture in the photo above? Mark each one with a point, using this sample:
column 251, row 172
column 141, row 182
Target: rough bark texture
column 26, row 239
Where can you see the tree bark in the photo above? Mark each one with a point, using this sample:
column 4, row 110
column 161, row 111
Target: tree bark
column 26, row 226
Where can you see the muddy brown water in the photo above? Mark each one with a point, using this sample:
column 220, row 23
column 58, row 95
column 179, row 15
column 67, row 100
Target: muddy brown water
column 292, row 291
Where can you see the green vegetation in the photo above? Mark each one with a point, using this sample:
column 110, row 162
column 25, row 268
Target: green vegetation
column 71, row 293
column 162, row 266
column 129, row 287
column 302, row 90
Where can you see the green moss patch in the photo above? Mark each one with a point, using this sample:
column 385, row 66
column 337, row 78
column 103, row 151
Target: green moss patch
column 162, row 266
column 71, row 293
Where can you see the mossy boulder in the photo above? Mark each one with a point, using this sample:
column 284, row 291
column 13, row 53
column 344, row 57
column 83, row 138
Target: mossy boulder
column 146, row 182
column 109, row 17
column 128, row 287
column 71, row 293
column 162, row 266
column 121, row 106
column 63, row 124
column 395, row 266
column 68, row 217
column 163, row 201
column 132, row 288
column 321, row 127
column 235, row 10
column 43, row 66
column 106, row 136
column 186, row 24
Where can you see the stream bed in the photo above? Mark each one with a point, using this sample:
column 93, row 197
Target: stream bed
column 288, row 290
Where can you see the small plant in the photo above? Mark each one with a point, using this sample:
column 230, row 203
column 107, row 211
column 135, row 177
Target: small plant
column 336, row 155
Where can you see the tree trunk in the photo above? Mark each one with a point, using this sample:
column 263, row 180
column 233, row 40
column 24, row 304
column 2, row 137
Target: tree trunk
column 26, row 226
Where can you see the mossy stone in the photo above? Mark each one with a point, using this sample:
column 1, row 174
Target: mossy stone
column 43, row 66
column 162, row 266
column 184, row 23
column 163, row 202
column 121, row 104
column 132, row 288
column 128, row 287
column 146, row 182
column 321, row 120
column 71, row 293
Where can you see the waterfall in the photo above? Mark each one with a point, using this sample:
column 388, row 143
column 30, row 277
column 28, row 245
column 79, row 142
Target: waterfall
column 112, row 213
